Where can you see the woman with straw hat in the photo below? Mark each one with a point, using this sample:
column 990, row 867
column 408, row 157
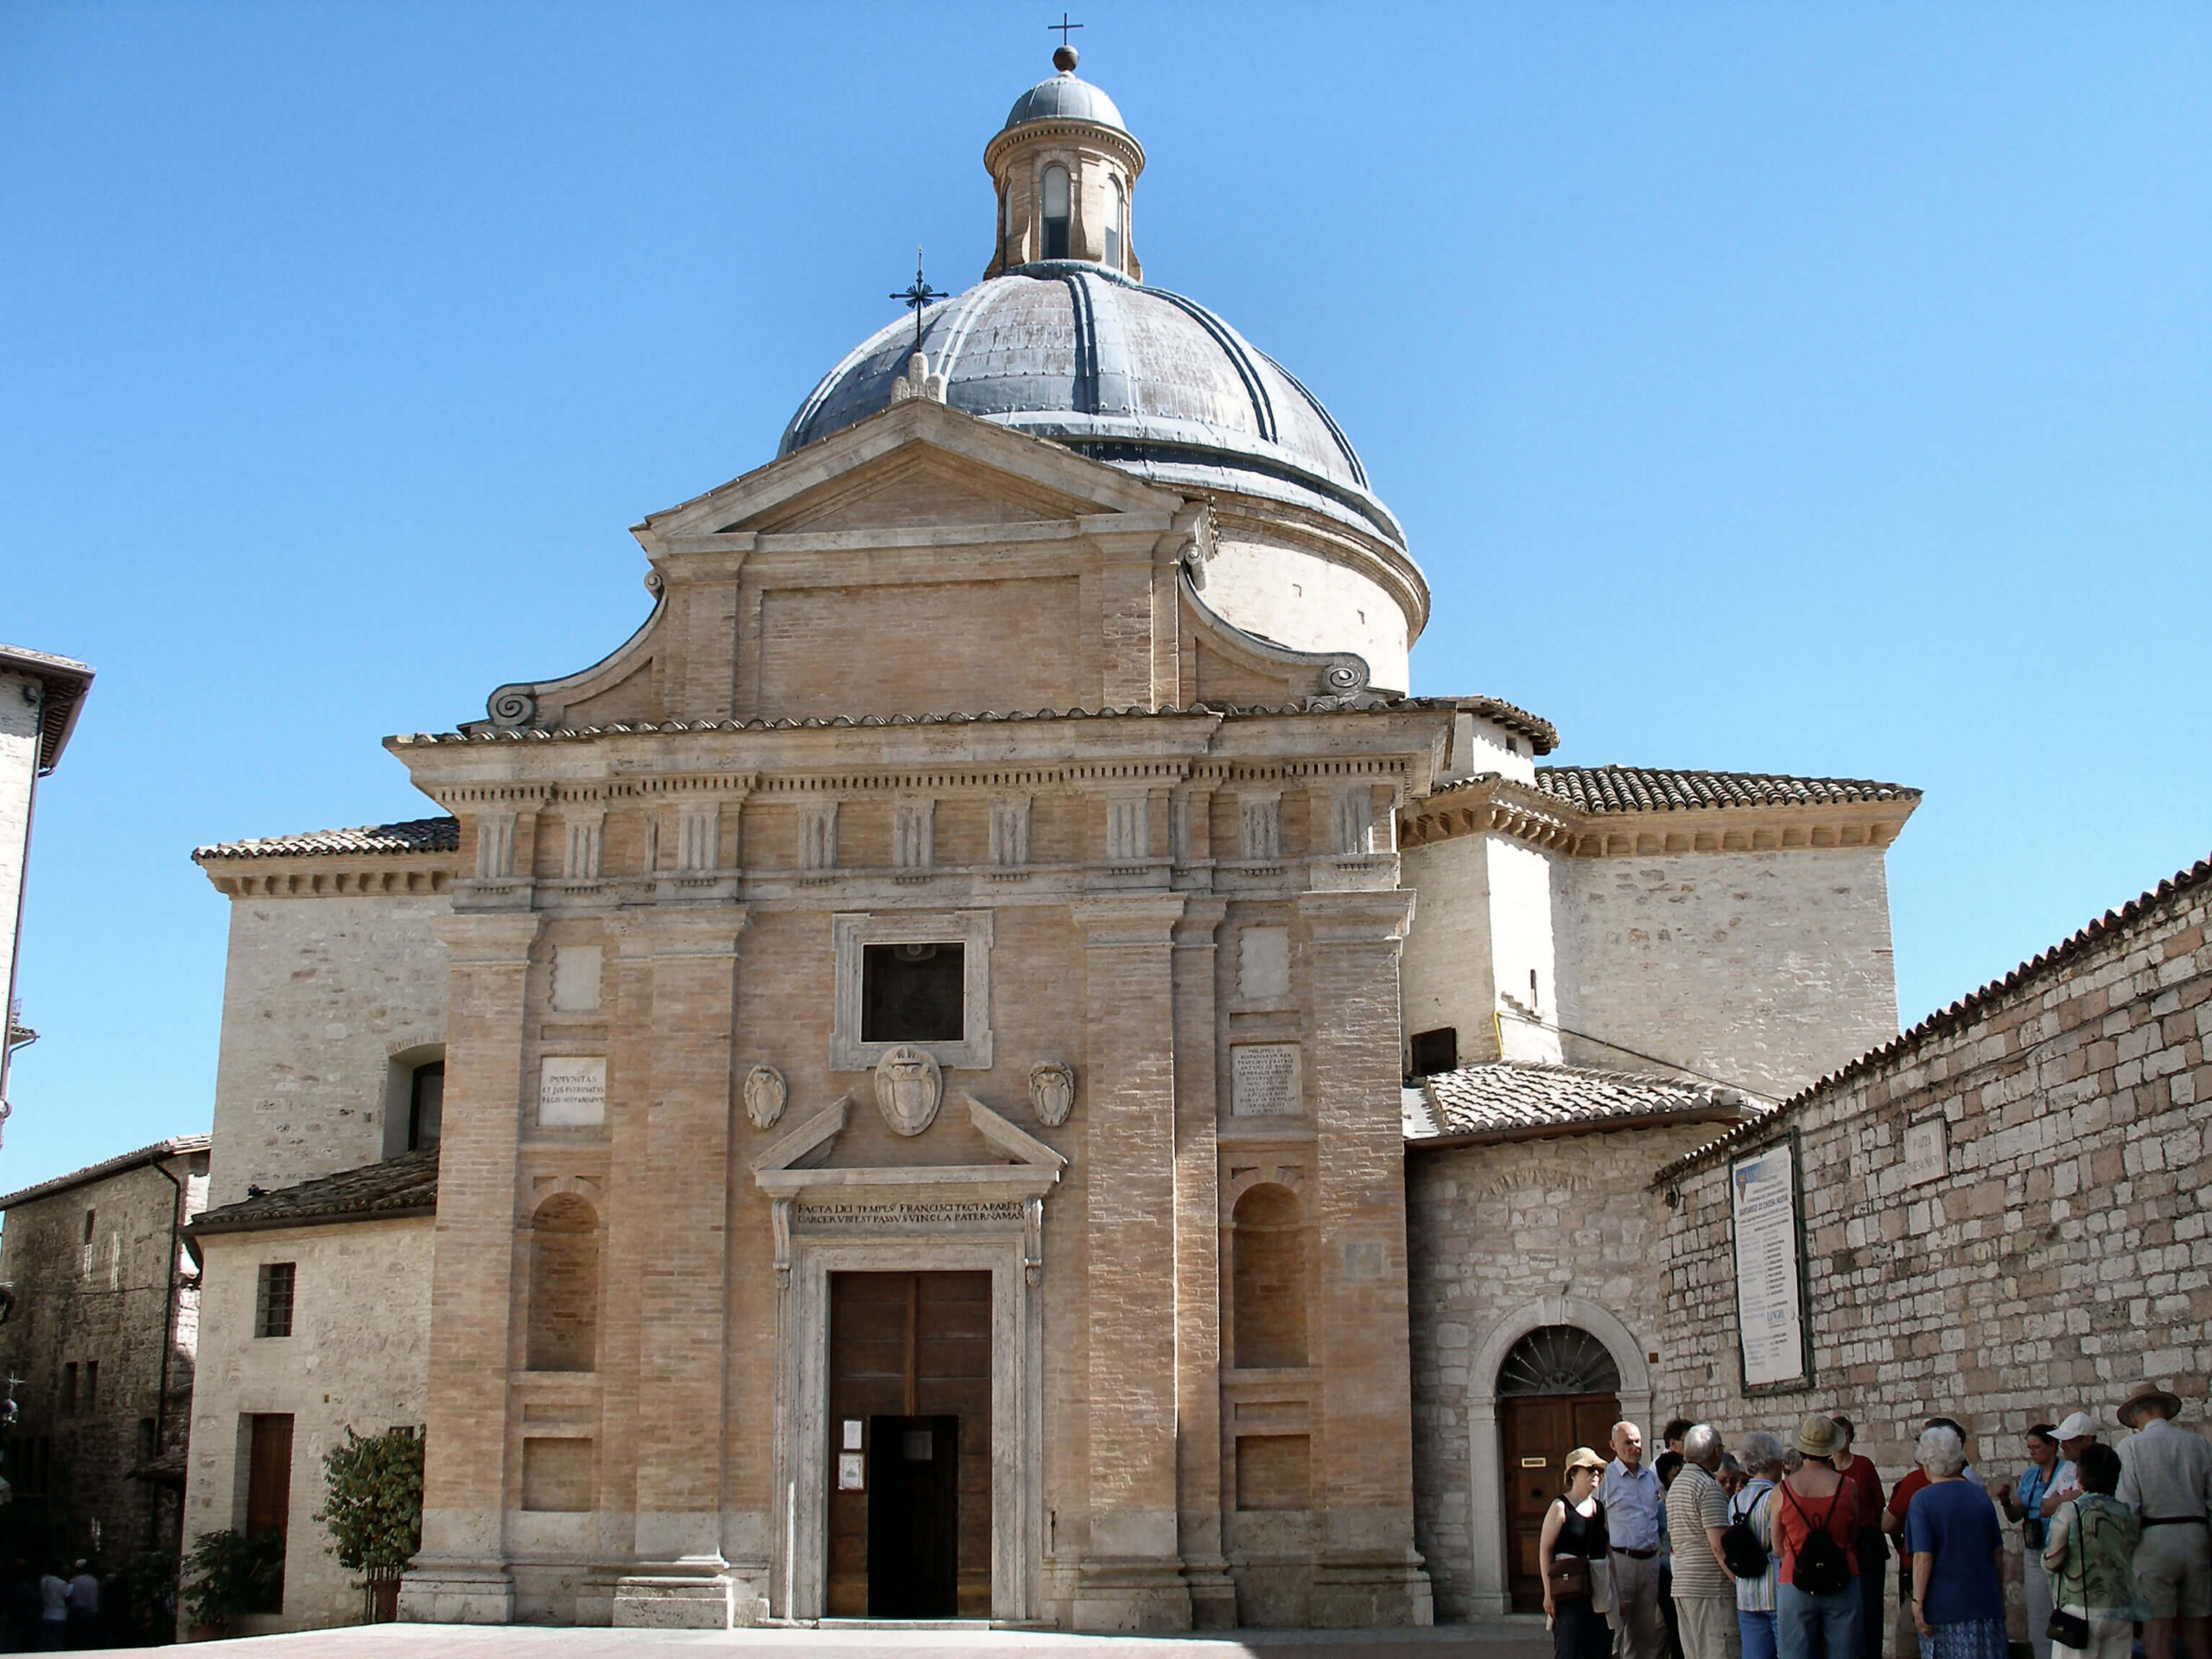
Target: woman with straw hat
column 1572, row 1553
column 1816, row 1536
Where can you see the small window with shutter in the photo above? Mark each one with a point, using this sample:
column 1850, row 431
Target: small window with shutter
column 272, row 1301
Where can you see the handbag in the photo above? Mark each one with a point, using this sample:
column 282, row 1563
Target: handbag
column 2070, row 1629
column 1568, row 1579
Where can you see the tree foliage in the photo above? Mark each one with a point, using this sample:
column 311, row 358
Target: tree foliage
column 228, row 1574
column 374, row 1507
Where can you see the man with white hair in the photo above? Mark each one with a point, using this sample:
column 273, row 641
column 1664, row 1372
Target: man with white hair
column 1697, row 1520
column 1632, row 1495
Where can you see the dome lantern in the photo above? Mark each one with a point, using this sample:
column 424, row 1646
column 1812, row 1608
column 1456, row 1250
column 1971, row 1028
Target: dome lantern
column 1065, row 170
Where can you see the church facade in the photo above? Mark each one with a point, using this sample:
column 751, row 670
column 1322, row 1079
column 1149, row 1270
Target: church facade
column 896, row 1093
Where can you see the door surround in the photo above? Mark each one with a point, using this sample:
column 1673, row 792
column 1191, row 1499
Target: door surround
column 1488, row 1592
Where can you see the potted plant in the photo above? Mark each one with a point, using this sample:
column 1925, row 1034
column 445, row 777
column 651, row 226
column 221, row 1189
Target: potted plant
column 228, row 1574
column 374, row 1511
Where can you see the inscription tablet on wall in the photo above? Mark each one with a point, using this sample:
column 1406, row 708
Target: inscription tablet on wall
column 571, row 1091
column 1264, row 1080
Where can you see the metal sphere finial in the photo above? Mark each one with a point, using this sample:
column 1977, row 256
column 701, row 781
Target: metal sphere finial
column 1063, row 59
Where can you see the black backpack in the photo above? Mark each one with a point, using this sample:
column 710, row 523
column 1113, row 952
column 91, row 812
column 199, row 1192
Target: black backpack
column 1822, row 1568
column 1740, row 1549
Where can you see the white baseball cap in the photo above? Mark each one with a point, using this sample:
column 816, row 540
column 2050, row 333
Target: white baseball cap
column 2076, row 1426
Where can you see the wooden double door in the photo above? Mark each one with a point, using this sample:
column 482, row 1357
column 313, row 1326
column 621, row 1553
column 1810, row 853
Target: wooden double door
column 1536, row 1435
column 910, row 1446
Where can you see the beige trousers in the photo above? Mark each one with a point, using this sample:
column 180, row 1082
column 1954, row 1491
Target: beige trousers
column 1708, row 1627
column 1639, row 1631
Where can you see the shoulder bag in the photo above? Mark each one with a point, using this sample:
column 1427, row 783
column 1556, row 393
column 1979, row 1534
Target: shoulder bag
column 2072, row 1630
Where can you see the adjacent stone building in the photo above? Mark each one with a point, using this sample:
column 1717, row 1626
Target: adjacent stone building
column 2003, row 1210
column 916, row 1039
column 98, row 1331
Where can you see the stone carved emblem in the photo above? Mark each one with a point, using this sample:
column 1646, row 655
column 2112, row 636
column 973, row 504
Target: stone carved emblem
column 909, row 1087
column 1052, row 1092
column 765, row 1095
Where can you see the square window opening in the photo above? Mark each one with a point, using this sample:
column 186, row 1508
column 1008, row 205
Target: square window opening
column 913, row 993
column 1436, row 1051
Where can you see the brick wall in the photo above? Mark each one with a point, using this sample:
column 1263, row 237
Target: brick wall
column 2060, row 1257
column 1765, row 970
column 319, row 993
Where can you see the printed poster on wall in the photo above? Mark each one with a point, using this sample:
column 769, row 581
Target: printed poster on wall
column 1769, row 1311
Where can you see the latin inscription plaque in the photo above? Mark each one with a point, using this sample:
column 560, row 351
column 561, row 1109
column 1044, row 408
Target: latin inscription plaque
column 1264, row 1080
column 571, row 1091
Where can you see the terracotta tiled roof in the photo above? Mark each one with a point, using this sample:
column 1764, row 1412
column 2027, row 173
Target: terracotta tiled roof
column 405, row 1186
column 413, row 836
column 1511, row 1099
column 1649, row 789
column 174, row 1146
column 2028, row 974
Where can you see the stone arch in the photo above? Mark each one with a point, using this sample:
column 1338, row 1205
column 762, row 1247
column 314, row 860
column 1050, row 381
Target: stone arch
column 1267, row 1274
column 563, row 1313
column 1486, row 1478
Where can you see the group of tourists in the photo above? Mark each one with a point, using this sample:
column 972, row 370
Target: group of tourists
column 1781, row 1551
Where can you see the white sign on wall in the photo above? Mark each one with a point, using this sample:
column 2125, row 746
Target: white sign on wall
column 1769, row 1311
column 1926, row 1152
column 571, row 1091
column 1264, row 1080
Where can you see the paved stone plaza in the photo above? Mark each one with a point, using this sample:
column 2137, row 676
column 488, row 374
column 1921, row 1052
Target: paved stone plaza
column 1502, row 1638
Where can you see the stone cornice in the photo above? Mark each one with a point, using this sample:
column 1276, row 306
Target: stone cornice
column 320, row 876
column 1497, row 805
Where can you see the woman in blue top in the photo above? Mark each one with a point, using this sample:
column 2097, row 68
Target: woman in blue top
column 1958, row 1597
column 2023, row 1504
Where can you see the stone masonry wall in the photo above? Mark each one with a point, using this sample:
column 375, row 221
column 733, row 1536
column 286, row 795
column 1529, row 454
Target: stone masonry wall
column 1763, row 970
column 318, row 994
column 2057, row 1255
column 89, row 1268
column 1494, row 1229
column 358, row 1358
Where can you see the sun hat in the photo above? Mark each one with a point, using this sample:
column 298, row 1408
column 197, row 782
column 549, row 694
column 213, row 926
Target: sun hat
column 2079, row 1426
column 2147, row 1393
column 1817, row 1436
column 1583, row 1458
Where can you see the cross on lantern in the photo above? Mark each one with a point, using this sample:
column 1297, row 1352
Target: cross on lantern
column 921, row 293
column 1063, row 27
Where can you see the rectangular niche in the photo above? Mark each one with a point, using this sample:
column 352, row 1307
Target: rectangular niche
column 1274, row 1472
column 557, row 1475
column 935, row 993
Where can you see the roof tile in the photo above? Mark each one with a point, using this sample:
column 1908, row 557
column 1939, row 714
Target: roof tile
column 1511, row 1097
column 405, row 1186
column 412, row 836
column 1650, row 789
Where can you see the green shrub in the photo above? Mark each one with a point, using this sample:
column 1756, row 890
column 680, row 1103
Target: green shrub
column 374, row 1509
column 228, row 1574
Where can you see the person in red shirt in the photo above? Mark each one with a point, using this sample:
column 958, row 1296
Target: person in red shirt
column 1813, row 1501
column 1873, row 1550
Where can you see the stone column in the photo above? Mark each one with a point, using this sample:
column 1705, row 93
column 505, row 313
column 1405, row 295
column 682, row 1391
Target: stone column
column 1370, row 1572
column 681, row 1577
column 1131, row 1577
column 1198, row 1266
column 460, row 1574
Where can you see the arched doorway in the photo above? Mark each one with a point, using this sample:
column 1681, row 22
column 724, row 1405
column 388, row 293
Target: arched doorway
column 1558, row 1388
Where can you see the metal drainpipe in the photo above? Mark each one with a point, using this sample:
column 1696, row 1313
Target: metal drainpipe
column 161, row 1400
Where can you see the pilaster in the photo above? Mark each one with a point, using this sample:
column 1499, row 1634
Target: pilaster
column 681, row 1576
column 460, row 1575
column 1198, row 1267
column 1369, row 1572
column 1131, row 1578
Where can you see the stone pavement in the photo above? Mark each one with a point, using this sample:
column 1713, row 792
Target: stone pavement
column 1502, row 1638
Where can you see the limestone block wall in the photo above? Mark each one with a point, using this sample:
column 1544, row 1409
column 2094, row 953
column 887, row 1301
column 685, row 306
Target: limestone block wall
column 2056, row 1252
column 1504, row 1238
column 1482, row 926
column 318, row 994
column 1765, row 970
column 89, row 1268
column 358, row 1358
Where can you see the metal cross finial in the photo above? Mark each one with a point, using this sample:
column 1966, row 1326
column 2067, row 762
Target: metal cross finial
column 919, row 295
column 1063, row 27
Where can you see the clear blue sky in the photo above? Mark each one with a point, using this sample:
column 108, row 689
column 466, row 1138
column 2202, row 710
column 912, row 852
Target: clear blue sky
column 1812, row 388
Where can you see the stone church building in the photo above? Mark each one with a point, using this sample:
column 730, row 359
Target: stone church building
column 990, row 1061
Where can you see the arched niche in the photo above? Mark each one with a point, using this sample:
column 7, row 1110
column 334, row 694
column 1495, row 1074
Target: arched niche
column 1268, row 1280
column 563, row 1312
column 1487, row 1569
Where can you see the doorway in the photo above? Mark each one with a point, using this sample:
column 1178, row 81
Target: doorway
column 910, row 1446
column 1558, row 1389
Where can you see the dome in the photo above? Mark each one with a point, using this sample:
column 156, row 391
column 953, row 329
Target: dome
column 1136, row 376
column 1064, row 98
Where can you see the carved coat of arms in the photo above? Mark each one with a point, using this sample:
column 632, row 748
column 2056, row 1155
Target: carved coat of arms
column 765, row 1095
column 909, row 1087
column 1052, row 1092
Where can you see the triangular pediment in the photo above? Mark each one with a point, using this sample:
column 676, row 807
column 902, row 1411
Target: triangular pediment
column 917, row 464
